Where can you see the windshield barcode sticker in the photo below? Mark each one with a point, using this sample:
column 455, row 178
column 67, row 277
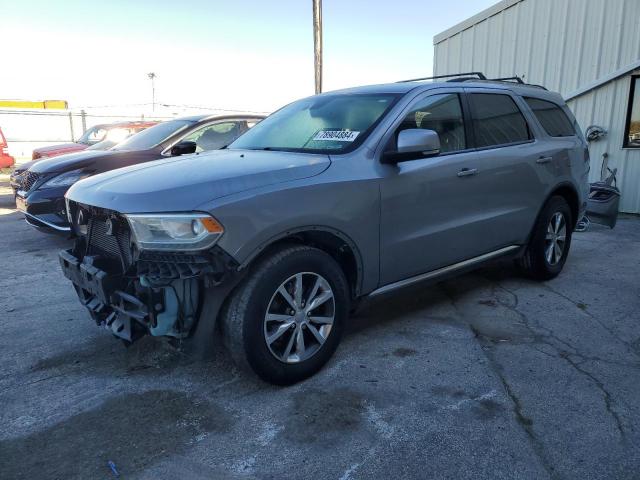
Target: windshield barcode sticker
column 336, row 135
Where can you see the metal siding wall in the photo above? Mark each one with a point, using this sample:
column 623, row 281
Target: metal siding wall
column 525, row 38
column 564, row 45
column 509, row 41
column 466, row 56
column 480, row 46
column 494, row 42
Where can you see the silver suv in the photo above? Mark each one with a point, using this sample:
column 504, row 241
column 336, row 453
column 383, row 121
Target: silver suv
column 269, row 243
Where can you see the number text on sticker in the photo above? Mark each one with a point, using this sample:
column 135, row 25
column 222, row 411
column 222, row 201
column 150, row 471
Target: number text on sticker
column 336, row 135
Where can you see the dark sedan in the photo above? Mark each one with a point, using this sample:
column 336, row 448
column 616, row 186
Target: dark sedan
column 40, row 190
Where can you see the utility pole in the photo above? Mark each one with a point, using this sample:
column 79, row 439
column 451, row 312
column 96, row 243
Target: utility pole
column 152, row 77
column 317, row 43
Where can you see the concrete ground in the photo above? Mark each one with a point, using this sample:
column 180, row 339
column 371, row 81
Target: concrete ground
column 485, row 376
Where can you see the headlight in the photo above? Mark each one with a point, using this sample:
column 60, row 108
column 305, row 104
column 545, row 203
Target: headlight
column 65, row 179
column 174, row 231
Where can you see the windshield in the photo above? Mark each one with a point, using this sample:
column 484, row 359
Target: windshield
column 152, row 136
column 320, row 124
column 93, row 135
column 103, row 145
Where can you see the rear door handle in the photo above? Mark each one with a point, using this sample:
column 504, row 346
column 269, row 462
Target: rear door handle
column 544, row 160
column 465, row 172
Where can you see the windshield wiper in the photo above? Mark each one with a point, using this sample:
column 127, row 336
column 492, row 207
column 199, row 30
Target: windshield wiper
column 275, row 149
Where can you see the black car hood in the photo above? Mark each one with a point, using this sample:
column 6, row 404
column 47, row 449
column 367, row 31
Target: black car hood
column 25, row 166
column 182, row 184
column 90, row 160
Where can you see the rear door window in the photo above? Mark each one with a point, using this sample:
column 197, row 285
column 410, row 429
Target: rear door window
column 497, row 120
column 554, row 121
column 443, row 114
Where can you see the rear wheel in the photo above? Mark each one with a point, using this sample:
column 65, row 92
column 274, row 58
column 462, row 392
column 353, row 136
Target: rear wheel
column 549, row 244
column 285, row 320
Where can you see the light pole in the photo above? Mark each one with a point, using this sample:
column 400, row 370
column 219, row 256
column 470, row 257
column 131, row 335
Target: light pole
column 317, row 43
column 152, row 77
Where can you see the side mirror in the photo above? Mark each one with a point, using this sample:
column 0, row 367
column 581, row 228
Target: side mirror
column 414, row 143
column 183, row 148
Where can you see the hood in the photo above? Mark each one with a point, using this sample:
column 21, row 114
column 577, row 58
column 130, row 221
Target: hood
column 60, row 148
column 71, row 161
column 25, row 166
column 182, row 184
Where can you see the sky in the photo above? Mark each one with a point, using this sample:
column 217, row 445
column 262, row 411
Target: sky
column 239, row 55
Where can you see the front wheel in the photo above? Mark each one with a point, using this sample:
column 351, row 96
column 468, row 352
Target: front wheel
column 285, row 320
column 550, row 240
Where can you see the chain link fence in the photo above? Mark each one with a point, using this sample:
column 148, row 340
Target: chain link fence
column 27, row 129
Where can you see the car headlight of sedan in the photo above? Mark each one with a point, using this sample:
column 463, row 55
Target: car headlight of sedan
column 65, row 179
column 174, row 231
column 16, row 175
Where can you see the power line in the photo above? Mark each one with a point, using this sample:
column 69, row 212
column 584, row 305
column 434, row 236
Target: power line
column 79, row 115
column 195, row 107
column 198, row 107
column 113, row 106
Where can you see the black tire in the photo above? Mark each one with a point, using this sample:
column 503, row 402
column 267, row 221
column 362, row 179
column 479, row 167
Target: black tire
column 534, row 262
column 243, row 317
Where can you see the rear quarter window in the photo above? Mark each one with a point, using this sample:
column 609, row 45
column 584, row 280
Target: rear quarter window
column 497, row 120
column 554, row 121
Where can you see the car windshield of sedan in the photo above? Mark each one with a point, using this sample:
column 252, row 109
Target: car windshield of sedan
column 93, row 135
column 320, row 124
column 152, row 136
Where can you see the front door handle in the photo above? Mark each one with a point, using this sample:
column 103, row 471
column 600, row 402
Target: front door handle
column 542, row 160
column 465, row 172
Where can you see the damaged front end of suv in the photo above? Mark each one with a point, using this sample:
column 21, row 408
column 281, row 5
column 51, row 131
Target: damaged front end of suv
column 144, row 274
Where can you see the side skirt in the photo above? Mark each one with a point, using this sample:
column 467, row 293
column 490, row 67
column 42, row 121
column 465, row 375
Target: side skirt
column 441, row 272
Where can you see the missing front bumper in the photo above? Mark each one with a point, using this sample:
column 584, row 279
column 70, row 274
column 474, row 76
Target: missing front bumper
column 126, row 315
column 159, row 294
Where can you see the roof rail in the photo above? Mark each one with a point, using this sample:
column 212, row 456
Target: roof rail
column 480, row 76
column 508, row 79
column 473, row 76
column 514, row 79
column 536, row 85
column 517, row 80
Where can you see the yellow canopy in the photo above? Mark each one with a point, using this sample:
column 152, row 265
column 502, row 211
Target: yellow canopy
column 43, row 104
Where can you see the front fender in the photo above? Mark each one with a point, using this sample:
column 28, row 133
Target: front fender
column 254, row 221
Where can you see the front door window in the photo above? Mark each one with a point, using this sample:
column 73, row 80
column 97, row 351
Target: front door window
column 216, row 136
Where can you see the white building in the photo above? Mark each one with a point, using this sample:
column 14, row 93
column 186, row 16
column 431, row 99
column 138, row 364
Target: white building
column 588, row 50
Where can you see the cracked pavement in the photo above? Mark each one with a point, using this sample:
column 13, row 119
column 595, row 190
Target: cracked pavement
column 487, row 375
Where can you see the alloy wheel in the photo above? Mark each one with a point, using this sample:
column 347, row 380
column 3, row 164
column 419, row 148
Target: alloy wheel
column 299, row 317
column 555, row 239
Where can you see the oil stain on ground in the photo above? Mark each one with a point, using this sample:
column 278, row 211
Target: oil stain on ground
column 447, row 391
column 319, row 416
column 134, row 431
column 404, row 352
column 105, row 356
column 499, row 329
column 487, row 409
